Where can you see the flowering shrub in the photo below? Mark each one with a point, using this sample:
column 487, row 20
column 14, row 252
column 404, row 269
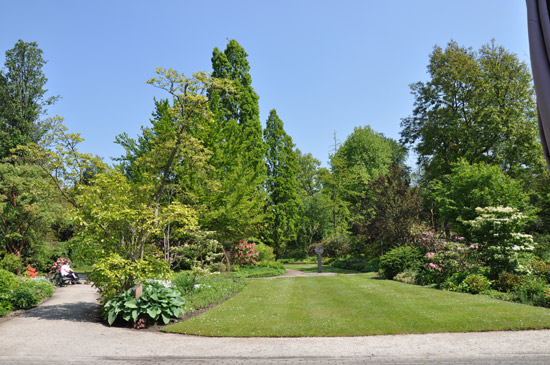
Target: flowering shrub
column 244, row 254
column 497, row 231
column 31, row 271
column 56, row 265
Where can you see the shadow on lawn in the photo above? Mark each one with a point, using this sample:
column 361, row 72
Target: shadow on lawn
column 74, row 312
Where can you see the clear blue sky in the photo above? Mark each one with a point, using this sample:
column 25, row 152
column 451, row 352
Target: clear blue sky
column 325, row 66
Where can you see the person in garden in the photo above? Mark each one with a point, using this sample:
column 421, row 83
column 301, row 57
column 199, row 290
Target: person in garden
column 67, row 272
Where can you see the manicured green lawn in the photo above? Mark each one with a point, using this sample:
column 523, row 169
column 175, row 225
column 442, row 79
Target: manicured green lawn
column 312, row 268
column 356, row 305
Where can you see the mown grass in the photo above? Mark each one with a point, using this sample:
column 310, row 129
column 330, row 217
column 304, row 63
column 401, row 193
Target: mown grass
column 355, row 305
column 312, row 268
column 211, row 290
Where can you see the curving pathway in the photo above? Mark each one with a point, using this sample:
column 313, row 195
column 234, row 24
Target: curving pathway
column 66, row 330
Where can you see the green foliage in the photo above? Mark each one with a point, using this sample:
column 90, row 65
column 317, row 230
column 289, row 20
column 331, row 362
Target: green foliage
column 533, row 291
column 8, row 281
column 400, row 259
column 508, row 282
column 195, row 249
column 265, row 252
column 364, row 156
column 468, row 186
column 236, row 208
column 334, row 246
column 22, row 99
column 23, row 297
column 11, row 263
column 28, row 206
column 114, row 275
column 156, row 302
column 407, row 277
column 389, row 209
column 281, row 186
column 498, row 232
column 30, row 292
column 474, row 284
column 471, row 98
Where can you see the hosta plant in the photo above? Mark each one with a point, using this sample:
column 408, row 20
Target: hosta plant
column 157, row 302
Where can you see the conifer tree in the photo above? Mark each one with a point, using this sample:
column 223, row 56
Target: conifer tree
column 238, row 151
column 282, row 170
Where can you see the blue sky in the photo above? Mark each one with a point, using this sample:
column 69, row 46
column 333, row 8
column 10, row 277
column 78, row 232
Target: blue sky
column 325, row 66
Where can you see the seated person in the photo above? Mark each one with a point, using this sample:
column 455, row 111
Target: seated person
column 67, row 272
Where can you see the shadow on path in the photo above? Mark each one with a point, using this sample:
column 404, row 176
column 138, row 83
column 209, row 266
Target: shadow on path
column 74, row 312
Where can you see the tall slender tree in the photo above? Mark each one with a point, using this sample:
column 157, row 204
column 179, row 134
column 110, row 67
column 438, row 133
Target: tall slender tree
column 22, row 97
column 238, row 151
column 282, row 170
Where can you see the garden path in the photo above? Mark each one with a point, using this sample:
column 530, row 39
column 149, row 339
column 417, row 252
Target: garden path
column 66, row 329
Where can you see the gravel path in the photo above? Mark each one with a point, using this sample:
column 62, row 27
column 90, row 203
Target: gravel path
column 66, row 330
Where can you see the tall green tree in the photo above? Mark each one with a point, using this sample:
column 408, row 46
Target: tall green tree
column 476, row 105
column 238, row 150
column 29, row 205
column 456, row 195
column 22, row 97
column 282, row 169
column 315, row 216
column 363, row 156
column 390, row 207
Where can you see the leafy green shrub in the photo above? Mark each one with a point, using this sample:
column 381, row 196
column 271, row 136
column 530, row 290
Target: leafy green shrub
column 30, row 292
column 474, row 283
column 509, row 297
column 541, row 269
column 265, row 252
column 184, row 281
column 533, row 291
column 400, row 259
column 114, row 275
column 407, row 277
column 156, row 302
column 507, row 282
column 335, row 246
column 11, row 263
column 8, row 281
column 23, row 297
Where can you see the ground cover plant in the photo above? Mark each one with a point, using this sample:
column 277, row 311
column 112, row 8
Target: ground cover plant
column 17, row 292
column 356, row 305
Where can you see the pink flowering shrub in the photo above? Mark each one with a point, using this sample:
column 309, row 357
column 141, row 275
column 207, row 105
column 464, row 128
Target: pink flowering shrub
column 244, row 254
column 447, row 259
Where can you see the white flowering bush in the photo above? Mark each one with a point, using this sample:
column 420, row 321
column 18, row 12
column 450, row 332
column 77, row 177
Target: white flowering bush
column 498, row 231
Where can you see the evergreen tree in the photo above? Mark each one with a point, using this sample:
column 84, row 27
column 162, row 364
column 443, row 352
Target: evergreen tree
column 282, row 170
column 22, row 99
column 238, row 151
